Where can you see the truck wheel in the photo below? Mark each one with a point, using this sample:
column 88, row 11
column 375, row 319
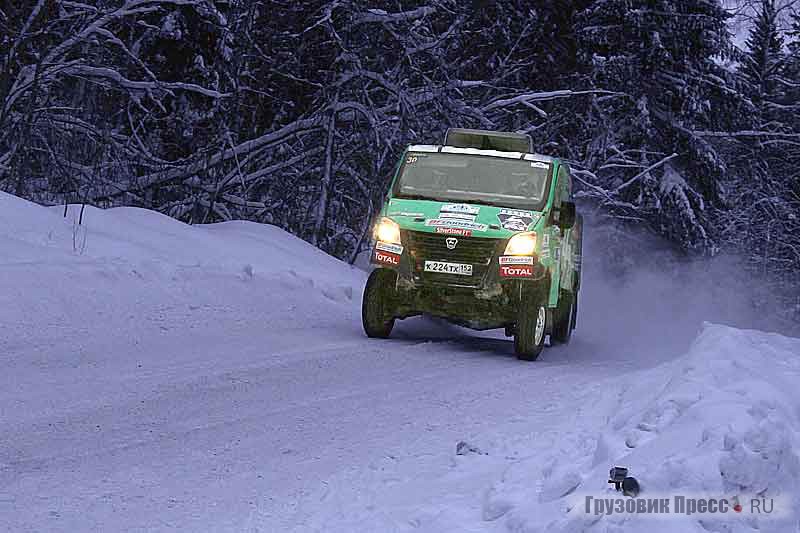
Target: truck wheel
column 376, row 306
column 562, row 327
column 531, row 329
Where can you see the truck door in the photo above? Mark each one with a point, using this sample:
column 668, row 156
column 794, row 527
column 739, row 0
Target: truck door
column 566, row 259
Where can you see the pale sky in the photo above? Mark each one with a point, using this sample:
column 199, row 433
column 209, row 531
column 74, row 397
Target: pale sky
column 744, row 11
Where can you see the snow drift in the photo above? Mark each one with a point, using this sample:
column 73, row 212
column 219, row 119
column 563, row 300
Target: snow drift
column 722, row 421
column 141, row 242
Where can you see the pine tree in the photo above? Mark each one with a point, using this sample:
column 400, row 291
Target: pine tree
column 765, row 220
column 660, row 57
column 763, row 68
column 793, row 69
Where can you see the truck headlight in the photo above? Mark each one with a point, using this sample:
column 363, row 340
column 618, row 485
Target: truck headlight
column 521, row 244
column 387, row 230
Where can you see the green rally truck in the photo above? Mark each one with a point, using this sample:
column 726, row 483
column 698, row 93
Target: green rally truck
column 482, row 232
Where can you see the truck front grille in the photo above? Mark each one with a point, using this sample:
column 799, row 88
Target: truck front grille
column 475, row 251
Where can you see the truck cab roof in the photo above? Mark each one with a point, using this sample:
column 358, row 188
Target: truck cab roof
column 438, row 148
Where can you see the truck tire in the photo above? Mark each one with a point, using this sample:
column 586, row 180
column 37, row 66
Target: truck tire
column 376, row 305
column 531, row 328
column 563, row 323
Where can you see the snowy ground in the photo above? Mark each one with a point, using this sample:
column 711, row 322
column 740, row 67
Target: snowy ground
column 163, row 376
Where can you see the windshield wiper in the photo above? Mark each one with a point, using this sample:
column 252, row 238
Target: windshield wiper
column 481, row 201
column 420, row 197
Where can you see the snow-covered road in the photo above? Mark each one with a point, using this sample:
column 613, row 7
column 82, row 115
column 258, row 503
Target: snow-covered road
column 217, row 379
column 205, row 413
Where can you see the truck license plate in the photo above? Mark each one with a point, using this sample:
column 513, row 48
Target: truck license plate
column 448, row 268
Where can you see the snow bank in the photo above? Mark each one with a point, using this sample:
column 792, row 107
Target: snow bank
column 51, row 265
column 723, row 421
column 157, row 243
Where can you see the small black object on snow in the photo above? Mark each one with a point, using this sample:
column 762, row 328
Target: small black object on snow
column 630, row 487
column 618, row 475
column 465, row 448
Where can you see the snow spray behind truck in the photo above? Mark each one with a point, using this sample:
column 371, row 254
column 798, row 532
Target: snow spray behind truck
column 482, row 232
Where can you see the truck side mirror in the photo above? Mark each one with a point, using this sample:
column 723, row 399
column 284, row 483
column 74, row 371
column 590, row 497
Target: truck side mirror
column 567, row 215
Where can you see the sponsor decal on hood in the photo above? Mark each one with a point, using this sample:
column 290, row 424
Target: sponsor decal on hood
column 405, row 214
column 516, row 219
column 452, row 223
column 460, row 208
column 459, row 216
column 461, row 232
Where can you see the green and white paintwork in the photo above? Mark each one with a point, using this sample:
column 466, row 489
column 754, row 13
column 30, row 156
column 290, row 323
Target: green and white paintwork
column 556, row 249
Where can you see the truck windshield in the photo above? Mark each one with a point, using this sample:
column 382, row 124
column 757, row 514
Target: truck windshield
column 479, row 179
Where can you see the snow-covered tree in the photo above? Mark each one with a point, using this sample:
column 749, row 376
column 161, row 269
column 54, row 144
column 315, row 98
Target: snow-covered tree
column 763, row 68
column 78, row 97
column 764, row 218
column 793, row 66
column 660, row 57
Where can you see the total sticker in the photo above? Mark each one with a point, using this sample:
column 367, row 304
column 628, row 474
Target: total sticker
column 387, row 258
column 516, row 271
column 516, row 260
